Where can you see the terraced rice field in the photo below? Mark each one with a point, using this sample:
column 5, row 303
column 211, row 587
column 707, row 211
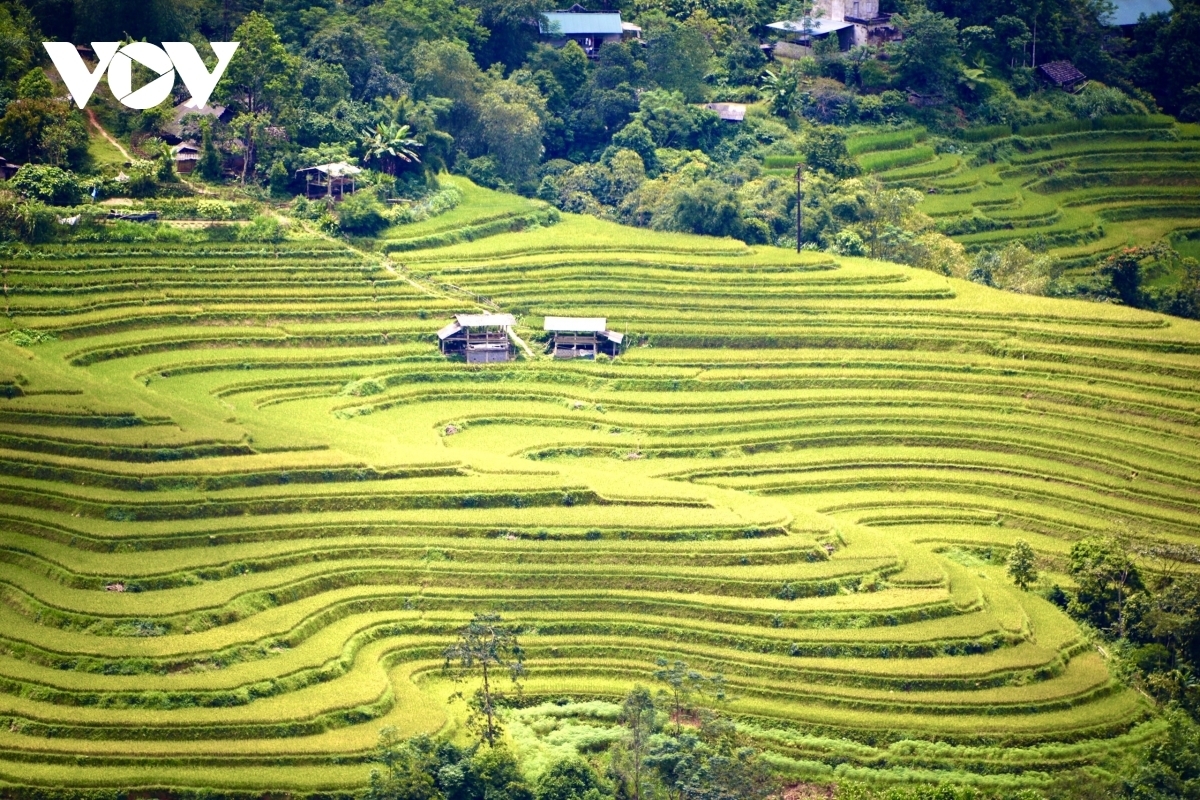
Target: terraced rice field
column 1081, row 195
column 246, row 502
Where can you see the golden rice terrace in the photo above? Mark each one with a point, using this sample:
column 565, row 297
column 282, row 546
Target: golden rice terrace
column 247, row 502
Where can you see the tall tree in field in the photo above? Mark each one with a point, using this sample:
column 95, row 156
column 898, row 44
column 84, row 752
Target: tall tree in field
column 485, row 647
column 261, row 81
column 685, row 683
column 639, row 716
column 1021, row 564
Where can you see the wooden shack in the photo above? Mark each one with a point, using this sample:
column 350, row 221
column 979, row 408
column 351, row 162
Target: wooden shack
column 187, row 156
column 582, row 337
column 1064, row 75
column 479, row 338
column 329, row 180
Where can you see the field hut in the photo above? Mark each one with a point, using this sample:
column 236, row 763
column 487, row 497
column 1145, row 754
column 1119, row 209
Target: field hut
column 1064, row 75
column 187, row 157
column 582, row 337
column 329, row 180
column 480, row 338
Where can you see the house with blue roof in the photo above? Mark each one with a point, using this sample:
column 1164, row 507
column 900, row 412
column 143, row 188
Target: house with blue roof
column 589, row 29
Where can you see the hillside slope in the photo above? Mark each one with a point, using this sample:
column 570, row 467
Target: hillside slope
column 246, row 501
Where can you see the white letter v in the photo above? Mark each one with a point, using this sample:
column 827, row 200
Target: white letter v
column 196, row 77
column 80, row 83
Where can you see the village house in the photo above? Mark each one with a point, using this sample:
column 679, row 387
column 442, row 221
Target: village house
column 582, row 337
column 479, row 338
column 589, row 29
column 853, row 22
column 187, row 157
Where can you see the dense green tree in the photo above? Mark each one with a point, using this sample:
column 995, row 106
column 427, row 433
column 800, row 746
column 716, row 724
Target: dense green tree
column 678, row 55
column 43, row 130
column 18, row 41
column 510, row 118
column 1167, row 59
column 262, row 76
column 446, row 70
column 405, row 23
column 260, row 83
column 35, row 86
column 1022, row 564
column 151, row 20
column 1170, row 767
column 510, row 34
column 674, row 122
column 209, row 165
column 48, row 184
column 928, row 58
column 1106, row 575
column 825, row 149
column 568, row 779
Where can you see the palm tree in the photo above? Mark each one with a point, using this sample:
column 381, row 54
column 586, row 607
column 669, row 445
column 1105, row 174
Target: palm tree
column 389, row 143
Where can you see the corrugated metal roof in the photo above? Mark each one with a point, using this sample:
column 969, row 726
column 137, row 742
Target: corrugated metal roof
column 336, row 169
column 1127, row 12
column 571, row 23
column 575, row 324
column 449, row 330
column 613, row 336
column 485, row 320
column 810, row 26
column 730, row 112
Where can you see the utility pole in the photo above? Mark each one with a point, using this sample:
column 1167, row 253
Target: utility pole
column 799, row 205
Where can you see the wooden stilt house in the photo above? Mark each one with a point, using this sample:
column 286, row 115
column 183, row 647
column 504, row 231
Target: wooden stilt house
column 480, row 338
column 582, row 337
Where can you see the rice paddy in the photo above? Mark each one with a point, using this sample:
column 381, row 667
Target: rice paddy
column 1080, row 190
column 246, row 502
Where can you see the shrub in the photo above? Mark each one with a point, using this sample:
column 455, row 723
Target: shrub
column 261, row 229
column 361, row 214
column 48, row 184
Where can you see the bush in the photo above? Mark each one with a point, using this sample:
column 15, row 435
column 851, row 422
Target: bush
column 361, row 214
column 261, row 229
column 47, row 184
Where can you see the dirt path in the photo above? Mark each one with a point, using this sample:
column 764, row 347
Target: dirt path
column 96, row 124
column 441, row 291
